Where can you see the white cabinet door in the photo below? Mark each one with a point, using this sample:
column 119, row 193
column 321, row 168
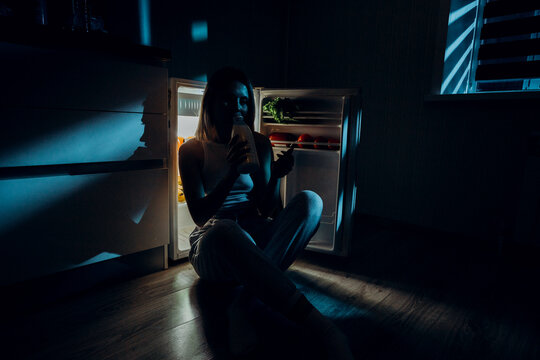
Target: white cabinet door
column 53, row 136
column 53, row 223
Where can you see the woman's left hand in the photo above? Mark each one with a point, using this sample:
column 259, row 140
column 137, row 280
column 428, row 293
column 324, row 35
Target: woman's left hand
column 283, row 165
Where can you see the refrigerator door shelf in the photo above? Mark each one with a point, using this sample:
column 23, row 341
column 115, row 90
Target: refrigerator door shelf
column 185, row 226
column 184, row 107
column 328, row 219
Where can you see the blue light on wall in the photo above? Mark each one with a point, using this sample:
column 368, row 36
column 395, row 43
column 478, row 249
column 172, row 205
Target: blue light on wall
column 202, row 77
column 144, row 20
column 459, row 13
column 199, row 31
column 450, row 49
column 464, row 59
column 459, row 47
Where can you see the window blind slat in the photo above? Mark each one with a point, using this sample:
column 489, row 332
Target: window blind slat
column 511, row 27
column 509, row 49
column 517, row 70
column 509, row 7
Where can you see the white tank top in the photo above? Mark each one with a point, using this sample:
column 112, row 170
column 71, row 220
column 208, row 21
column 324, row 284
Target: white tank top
column 214, row 169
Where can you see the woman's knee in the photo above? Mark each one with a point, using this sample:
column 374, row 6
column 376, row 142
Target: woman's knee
column 311, row 202
column 224, row 237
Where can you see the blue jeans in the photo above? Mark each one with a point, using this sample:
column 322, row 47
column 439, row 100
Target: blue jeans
column 254, row 251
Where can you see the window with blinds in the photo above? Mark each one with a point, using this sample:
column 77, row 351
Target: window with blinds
column 492, row 45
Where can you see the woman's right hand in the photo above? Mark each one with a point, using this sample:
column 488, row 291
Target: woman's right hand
column 238, row 152
column 284, row 164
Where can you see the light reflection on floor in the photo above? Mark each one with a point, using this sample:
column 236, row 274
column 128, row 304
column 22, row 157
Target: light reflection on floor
column 354, row 297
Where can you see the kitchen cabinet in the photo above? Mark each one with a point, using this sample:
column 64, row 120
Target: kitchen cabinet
column 83, row 154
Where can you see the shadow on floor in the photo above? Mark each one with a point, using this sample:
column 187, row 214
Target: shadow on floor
column 278, row 337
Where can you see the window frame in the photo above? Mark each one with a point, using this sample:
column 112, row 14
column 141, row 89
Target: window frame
column 439, row 58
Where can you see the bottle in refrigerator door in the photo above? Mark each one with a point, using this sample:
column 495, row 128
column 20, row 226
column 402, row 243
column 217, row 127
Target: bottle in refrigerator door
column 181, row 141
column 242, row 130
column 181, row 196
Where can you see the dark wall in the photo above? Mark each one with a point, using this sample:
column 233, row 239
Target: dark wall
column 247, row 34
column 455, row 166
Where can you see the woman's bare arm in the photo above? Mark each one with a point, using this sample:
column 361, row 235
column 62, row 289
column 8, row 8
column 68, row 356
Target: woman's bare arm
column 266, row 190
column 201, row 207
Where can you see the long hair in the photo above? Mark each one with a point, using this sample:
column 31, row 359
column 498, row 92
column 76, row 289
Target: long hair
column 218, row 83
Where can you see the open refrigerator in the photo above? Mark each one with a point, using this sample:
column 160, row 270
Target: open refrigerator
column 325, row 130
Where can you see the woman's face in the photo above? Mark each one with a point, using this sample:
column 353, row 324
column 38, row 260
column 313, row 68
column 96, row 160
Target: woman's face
column 230, row 103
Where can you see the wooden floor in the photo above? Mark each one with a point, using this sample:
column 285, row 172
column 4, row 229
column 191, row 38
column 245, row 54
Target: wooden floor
column 400, row 296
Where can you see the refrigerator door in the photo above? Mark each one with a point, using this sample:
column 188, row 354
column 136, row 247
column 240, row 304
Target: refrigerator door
column 184, row 105
column 324, row 160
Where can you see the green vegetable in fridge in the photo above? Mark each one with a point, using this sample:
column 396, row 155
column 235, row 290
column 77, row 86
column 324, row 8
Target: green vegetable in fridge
column 281, row 109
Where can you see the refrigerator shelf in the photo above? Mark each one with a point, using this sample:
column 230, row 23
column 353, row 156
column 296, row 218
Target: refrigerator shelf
column 300, row 123
column 286, row 144
column 330, row 114
column 328, row 219
column 316, row 112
